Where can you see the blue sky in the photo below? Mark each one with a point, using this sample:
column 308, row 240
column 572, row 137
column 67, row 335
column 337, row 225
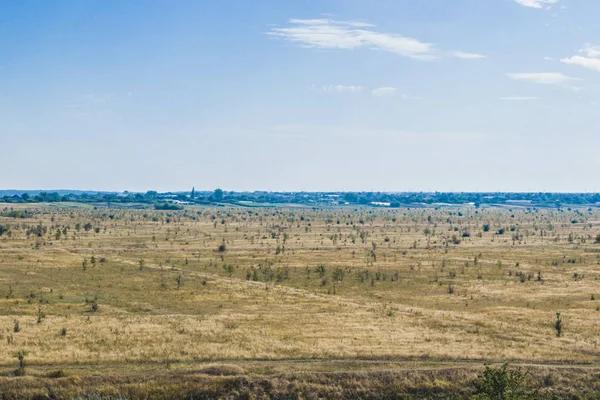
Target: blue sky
column 405, row 95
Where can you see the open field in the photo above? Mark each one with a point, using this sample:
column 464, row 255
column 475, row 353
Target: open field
column 217, row 301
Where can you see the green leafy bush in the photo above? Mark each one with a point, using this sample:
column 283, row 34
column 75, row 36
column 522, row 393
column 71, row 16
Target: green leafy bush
column 502, row 384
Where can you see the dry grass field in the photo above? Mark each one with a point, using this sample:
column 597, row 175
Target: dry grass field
column 294, row 302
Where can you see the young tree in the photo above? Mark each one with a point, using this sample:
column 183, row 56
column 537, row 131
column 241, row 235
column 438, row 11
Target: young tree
column 21, row 357
column 558, row 325
column 218, row 194
column 321, row 270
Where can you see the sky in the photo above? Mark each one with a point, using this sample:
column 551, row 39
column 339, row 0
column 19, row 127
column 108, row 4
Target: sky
column 307, row 95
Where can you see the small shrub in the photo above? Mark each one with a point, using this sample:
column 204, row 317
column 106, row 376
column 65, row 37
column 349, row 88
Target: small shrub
column 338, row 274
column 502, row 384
column 40, row 315
column 558, row 326
column 21, row 370
column 321, row 270
column 549, row 380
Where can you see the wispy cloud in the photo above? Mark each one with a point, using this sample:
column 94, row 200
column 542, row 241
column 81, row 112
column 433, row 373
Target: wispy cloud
column 98, row 98
column 310, row 131
column 590, row 61
column 353, row 35
column 407, row 97
column 586, row 62
column 350, row 35
column 519, row 98
column 467, row 56
column 536, row 3
column 545, row 78
column 337, row 88
column 383, row 91
column 357, row 24
column 591, row 51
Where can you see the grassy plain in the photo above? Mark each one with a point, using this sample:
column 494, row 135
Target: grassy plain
column 296, row 302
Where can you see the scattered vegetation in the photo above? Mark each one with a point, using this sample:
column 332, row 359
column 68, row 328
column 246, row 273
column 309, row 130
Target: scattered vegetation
column 90, row 285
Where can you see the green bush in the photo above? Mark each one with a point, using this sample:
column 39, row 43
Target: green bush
column 338, row 274
column 502, row 384
column 558, row 326
column 167, row 206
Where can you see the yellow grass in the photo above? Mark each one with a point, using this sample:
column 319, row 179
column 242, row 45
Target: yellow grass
column 399, row 311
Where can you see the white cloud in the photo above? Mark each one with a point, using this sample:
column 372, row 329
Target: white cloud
column 536, row 3
column 338, row 88
column 357, row 24
column 383, row 91
column 325, row 33
column 467, row 56
column 353, row 35
column 98, row 98
column 407, row 97
column 586, row 62
column 546, row 78
column 592, row 61
column 350, row 35
column 345, row 131
column 591, row 51
column 519, row 98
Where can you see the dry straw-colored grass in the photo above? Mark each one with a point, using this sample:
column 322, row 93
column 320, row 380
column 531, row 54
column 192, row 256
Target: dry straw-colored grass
column 394, row 303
